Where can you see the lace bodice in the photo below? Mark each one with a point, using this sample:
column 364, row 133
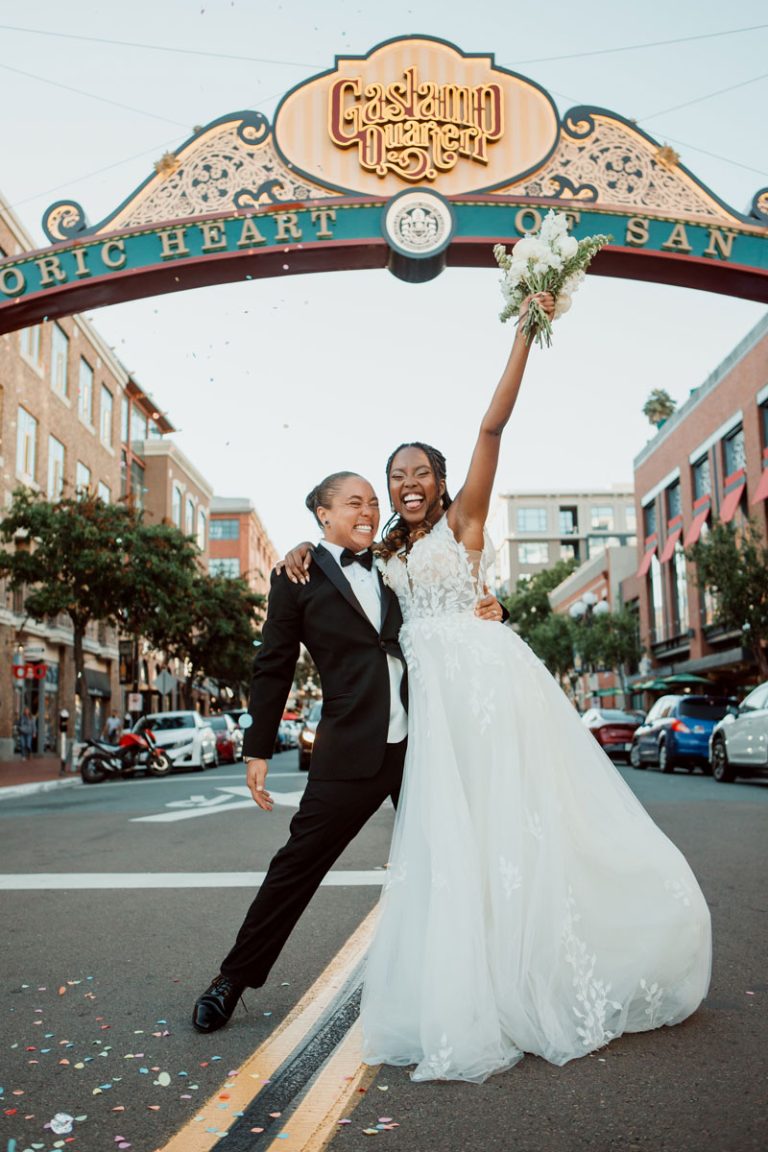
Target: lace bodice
column 440, row 576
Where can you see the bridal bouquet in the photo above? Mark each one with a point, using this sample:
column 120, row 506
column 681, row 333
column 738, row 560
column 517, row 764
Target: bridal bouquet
column 551, row 261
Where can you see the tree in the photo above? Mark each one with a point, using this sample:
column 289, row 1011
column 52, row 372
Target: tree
column 610, row 640
column 659, row 406
column 215, row 630
column 68, row 557
column 552, row 641
column 733, row 562
column 528, row 606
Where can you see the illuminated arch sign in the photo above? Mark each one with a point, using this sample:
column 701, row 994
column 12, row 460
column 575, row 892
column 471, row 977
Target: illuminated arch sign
column 414, row 157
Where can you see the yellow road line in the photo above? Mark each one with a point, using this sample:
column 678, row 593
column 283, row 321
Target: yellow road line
column 334, row 1094
column 268, row 1057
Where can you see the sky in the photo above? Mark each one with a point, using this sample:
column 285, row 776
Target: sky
column 274, row 383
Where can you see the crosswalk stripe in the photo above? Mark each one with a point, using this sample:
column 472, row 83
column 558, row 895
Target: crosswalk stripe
column 111, row 881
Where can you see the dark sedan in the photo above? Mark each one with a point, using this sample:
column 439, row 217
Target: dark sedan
column 613, row 729
column 676, row 732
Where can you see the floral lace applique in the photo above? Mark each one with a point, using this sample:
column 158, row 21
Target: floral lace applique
column 511, row 876
column 439, row 1062
column 592, row 1001
column 680, row 889
column 654, row 994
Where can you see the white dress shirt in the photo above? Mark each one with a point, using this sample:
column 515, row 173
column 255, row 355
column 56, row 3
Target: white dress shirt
column 367, row 589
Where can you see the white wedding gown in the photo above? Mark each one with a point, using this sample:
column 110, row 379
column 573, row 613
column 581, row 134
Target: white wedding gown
column 531, row 903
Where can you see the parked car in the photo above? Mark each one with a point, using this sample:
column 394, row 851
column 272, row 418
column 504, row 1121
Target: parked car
column 676, row 732
column 613, row 729
column 187, row 737
column 307, row 735
column 229, row 738
column 288, row 734
column 738, row 745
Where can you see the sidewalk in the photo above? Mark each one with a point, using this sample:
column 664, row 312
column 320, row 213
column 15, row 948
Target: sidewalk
column 40, row 774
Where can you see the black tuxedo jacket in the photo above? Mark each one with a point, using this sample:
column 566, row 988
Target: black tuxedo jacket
column 351, row 657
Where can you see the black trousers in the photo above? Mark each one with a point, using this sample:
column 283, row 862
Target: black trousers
column 330, row 815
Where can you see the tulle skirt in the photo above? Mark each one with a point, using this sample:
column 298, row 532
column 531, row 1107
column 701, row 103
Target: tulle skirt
column 531, row 903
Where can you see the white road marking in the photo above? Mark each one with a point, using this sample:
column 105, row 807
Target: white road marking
column 198, row 805
column 64, row 881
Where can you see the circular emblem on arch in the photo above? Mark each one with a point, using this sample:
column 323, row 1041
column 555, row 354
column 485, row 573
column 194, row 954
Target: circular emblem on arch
column 418, row 223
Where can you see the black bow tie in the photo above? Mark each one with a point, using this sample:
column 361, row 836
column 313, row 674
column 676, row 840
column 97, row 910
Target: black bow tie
column 349, row 557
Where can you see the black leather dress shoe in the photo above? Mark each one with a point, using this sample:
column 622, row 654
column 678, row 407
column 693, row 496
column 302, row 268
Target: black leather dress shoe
column 213, row 1009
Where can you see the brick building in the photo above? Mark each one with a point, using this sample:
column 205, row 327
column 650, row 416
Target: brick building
column 240, row 545
column 533, row 530
column 61, row 389
column 708, row 462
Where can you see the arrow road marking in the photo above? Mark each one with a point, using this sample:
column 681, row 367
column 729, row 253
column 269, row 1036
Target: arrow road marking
column 206, row 806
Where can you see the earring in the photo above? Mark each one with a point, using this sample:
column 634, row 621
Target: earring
column 326, row 523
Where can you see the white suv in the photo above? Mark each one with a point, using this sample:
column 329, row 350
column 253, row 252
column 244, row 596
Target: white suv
column 186, row 736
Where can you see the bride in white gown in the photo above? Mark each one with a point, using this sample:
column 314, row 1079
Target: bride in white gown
column 531, row 903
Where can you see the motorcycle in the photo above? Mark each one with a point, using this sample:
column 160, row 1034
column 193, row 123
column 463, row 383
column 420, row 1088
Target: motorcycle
column 135, row 750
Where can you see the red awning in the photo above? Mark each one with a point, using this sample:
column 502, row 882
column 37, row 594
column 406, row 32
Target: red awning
column 701, row 510
column 650, row 551
column 732, row 499
column 762, row 488
column 674, row 532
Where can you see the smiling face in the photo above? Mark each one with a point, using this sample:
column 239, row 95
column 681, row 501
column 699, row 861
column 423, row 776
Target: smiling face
column 351, row 517
column 414, row 490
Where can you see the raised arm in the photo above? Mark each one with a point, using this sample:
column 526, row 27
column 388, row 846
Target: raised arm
column 469, row 511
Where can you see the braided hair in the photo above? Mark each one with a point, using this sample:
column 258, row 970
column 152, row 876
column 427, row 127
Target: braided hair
column 396, row 534
column 322, row 494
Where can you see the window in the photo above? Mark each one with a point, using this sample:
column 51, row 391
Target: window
column 681, row 591
column 674, row 506
column 176, row 506
column 137, row 484
column 567, row 551
column 138, row 425
column 105, row 416
column 59, row 359
column 82, row 479
column 225, row 529
column 601, row 518
column 26, row 445
column 123, row 474
column 104, row 492
column 569, row 521
column 734, row 456
column 657, row 602
column 31, row 344
column 202, row 530
column 598, row 544
column 764, row 422
column 85, row 392
column 226, row 566
column 702, row 485
column 649, row 515
column 531, row 519
column 125, row 408
column 630, row 517
column 55, row 468
column 189, row 519
column 533, row 553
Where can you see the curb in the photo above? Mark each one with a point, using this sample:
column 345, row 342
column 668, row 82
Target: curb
column 37, row 786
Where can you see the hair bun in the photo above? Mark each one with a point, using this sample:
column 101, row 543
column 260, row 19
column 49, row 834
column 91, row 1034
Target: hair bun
column 313, row 498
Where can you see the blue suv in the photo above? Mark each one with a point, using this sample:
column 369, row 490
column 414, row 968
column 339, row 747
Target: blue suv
column 676, row 732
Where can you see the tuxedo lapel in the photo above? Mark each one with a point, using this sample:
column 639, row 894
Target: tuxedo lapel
column 388, row 600
column 331, row 569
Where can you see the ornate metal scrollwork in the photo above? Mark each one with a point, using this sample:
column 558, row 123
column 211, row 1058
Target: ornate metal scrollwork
column 254, row 198
column 63, row 220
column 253, row 129
column 760, row 205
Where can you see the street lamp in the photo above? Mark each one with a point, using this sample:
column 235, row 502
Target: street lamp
column 582, row 611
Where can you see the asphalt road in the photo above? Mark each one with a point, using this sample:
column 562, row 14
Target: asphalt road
column 97, row 984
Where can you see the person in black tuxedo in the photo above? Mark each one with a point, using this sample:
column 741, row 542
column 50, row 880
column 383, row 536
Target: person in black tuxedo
column 349, row 621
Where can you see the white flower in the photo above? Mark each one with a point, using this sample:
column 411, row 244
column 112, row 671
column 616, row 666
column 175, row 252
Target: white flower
column 562, row 304
column 529, row 248
column 566, row 245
